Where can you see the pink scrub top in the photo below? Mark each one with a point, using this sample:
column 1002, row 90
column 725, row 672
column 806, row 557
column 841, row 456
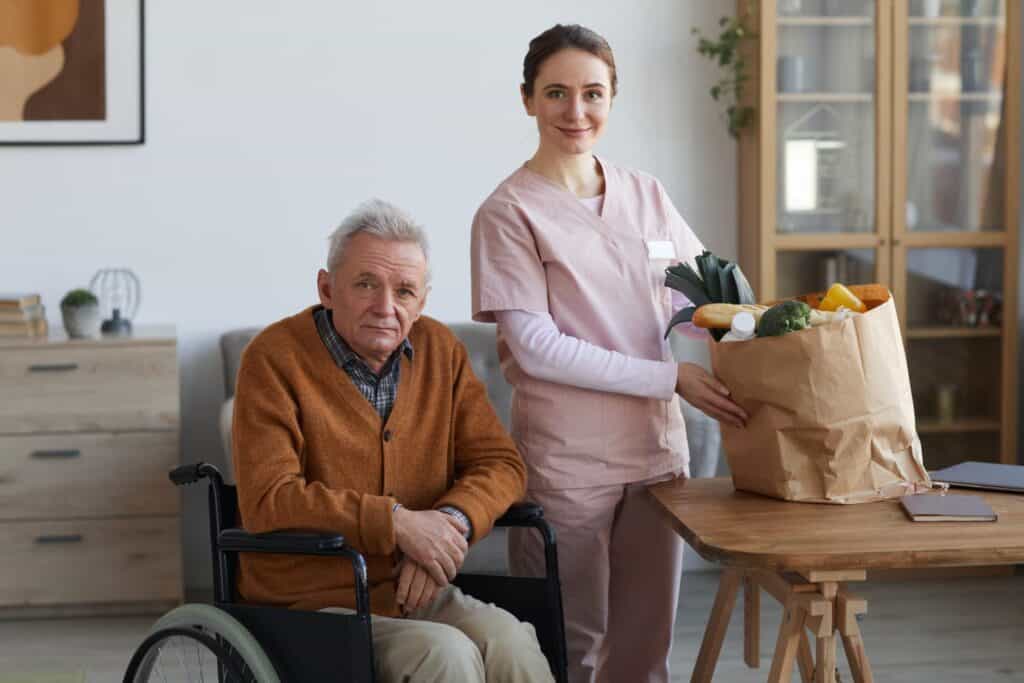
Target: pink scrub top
column 536, row 247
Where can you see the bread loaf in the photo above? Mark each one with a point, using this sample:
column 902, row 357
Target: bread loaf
column 719, row 316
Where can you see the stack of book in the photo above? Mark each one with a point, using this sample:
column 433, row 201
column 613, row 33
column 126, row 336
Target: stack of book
column 22, row 315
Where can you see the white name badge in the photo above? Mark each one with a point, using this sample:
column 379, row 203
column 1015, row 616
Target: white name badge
column 661, row 250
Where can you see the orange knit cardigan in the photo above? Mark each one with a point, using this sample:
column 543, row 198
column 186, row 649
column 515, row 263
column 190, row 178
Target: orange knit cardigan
column 311, row 453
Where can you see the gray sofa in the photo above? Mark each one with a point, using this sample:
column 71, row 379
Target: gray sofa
column 489, row 555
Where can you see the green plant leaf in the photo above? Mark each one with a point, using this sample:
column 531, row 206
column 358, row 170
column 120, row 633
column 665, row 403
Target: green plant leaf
column 730, row 293
column 79, row 297
column 725, row 51
column 709, row 266
column 682, row 278
column 683, row 315
column 744, row 291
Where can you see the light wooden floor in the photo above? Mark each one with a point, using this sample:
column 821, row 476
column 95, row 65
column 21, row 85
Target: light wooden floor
column 962, row 631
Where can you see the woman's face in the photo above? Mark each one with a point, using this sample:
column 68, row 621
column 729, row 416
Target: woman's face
column 572, row 95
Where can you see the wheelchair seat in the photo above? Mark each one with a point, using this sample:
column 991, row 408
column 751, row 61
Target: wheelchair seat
column 268, row 644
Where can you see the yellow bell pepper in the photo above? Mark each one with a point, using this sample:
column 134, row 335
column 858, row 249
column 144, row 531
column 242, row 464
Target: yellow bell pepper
column 839, row 295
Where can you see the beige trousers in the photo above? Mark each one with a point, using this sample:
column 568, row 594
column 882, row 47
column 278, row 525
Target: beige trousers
column 620, row 565
column 456, row 638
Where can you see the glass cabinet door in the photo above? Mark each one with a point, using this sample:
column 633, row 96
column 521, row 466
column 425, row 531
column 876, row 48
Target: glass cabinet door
column 803, row 271
column 825, row 116
column 950, row 232
column 955, row 70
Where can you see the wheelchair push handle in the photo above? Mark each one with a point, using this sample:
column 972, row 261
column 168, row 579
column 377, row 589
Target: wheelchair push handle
column 190, row 474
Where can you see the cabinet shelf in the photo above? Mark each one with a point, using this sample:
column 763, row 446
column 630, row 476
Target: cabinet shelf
column 825, row 21
column 823, row 97
column 993, row 96
column 954, row 21
column 967, row 424
column 953, row 332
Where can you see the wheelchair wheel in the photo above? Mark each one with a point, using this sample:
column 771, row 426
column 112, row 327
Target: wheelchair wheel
column 200, row 643
column 186, row 654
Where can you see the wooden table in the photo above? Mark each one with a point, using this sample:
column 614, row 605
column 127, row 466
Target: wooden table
column 803, row 554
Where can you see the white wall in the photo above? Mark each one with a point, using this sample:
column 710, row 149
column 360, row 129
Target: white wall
column 268, row 121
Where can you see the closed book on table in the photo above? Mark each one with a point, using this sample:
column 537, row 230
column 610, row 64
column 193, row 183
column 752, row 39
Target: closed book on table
column 935, row 507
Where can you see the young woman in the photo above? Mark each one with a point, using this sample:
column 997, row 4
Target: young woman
column 568, row 256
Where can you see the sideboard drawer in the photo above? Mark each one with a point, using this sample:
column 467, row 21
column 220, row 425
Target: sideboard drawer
column 90, row 561
column 68, row 388
column 54, row 476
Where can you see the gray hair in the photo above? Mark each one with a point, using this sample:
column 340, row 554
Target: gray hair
column 379, row 219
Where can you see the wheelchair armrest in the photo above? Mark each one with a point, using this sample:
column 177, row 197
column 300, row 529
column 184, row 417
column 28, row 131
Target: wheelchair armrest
column 521, row 514
column 297, row 543
column 287, row 542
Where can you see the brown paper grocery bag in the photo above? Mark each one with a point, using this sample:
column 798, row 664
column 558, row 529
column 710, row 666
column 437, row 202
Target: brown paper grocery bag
column 831, row 418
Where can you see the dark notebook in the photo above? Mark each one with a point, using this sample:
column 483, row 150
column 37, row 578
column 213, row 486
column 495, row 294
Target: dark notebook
column 951, row 507
column 983, row 475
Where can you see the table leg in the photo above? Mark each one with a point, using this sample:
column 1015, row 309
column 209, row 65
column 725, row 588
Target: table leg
column 825, row 662
column 751, row 622
column 847, row 609
column 718, row 623
column 790, row 631
column 804, row 658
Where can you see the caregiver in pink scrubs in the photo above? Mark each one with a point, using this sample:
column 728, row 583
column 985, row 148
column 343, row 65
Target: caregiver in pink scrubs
column 568, row 257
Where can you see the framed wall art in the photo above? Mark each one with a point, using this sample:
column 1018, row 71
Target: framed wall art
column 72, row 72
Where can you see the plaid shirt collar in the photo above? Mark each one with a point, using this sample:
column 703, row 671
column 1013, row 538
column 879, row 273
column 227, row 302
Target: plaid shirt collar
column 343, row 355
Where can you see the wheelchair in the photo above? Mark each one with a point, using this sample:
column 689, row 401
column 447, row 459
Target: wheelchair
column 231, row 641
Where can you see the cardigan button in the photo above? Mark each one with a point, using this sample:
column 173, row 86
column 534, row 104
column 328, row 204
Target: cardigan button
column 387, row 435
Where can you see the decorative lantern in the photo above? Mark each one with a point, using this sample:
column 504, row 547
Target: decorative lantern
column 120, row 294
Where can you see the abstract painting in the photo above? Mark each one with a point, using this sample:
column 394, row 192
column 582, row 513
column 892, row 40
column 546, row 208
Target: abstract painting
column 71, row 72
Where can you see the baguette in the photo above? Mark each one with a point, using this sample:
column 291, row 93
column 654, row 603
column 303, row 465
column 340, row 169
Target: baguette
column 719, row 316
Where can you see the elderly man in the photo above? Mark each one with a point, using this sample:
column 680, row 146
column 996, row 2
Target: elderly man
column 360, row 416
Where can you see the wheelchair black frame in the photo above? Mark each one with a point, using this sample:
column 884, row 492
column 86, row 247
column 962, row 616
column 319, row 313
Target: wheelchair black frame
column 306, row 634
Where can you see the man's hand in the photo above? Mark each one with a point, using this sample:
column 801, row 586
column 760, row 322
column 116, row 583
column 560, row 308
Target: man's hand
column 432, row 539
column 707, row 394
column 416, row 588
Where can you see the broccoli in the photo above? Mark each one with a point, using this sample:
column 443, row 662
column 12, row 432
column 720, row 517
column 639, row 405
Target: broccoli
column 789, row 316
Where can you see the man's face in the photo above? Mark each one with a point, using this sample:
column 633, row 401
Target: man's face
column 376, row 292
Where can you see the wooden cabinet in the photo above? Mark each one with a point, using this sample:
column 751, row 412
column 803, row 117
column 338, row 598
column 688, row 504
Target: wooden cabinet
column 89, row 522
column 886, row 149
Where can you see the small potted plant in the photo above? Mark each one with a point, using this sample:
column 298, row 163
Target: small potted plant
column 80, row 310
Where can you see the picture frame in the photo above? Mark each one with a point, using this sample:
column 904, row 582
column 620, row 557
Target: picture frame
column 74, row 76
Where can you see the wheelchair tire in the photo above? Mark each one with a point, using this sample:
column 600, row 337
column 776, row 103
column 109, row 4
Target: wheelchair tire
column 188, row 665
column 242, row 648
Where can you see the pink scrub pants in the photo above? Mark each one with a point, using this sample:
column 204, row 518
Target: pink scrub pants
column 619, row 563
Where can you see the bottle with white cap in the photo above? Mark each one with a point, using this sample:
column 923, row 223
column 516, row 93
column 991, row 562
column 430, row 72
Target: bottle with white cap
column 742, row 328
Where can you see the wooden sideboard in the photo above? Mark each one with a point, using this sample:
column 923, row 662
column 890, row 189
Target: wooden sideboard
column 88, row 431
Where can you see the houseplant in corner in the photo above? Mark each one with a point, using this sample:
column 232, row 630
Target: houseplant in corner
column 80, row 310
column 727, row 50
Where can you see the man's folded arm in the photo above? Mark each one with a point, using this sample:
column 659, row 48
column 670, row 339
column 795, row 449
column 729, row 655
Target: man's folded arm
column 489, row 472
column 272, row 493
